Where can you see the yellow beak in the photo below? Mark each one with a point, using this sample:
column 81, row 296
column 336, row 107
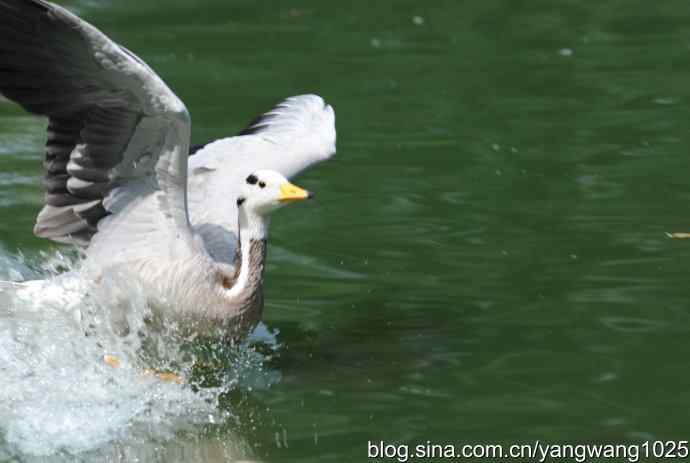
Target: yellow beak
column 290, row 192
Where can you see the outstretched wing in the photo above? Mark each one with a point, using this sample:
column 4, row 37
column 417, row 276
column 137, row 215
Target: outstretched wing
column 296, row 134
column 116, row 132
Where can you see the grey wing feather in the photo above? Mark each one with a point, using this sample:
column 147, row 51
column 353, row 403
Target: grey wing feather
column 95, row 94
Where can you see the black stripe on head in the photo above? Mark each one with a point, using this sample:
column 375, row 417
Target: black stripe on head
column 252, row 179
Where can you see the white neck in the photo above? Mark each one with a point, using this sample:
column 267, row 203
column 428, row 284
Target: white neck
column 252, row 227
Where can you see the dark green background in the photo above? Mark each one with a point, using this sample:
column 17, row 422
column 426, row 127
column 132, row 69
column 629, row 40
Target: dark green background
column 487, row 259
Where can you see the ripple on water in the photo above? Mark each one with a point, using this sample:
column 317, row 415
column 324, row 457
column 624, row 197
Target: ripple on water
column 23, row 134
column 633, row 325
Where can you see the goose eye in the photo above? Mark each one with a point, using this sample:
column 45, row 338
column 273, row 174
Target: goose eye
column 262, row 184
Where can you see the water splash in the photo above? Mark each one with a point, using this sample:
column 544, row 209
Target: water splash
column 57, row 396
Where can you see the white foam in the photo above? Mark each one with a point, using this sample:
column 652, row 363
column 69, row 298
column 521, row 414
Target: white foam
column 57, row 396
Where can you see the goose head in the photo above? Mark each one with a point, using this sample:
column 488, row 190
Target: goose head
column 264, row 191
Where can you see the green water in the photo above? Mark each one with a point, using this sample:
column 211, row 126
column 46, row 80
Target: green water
column 487, row 258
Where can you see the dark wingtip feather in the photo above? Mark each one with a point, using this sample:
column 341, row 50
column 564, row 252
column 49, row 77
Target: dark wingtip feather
column 18, row 4
column 194, row 148
column 257, row 124
column 40, row 5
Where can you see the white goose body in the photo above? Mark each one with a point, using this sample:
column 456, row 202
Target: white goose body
column 119, row 180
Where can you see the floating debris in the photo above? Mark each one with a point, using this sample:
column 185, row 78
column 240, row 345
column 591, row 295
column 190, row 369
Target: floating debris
column 678, row 236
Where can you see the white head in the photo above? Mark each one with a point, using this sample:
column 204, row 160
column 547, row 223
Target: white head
column 264, row 191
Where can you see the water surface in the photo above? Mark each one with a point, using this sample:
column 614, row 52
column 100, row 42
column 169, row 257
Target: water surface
column 487, row 258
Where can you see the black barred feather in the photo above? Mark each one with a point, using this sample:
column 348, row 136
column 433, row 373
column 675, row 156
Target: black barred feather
column 47, row 67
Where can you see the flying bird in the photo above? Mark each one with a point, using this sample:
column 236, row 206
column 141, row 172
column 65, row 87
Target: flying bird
column 119, row 179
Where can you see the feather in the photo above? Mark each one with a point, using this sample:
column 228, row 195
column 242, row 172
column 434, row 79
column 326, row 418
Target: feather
column 296, row 134
column 99, row 98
